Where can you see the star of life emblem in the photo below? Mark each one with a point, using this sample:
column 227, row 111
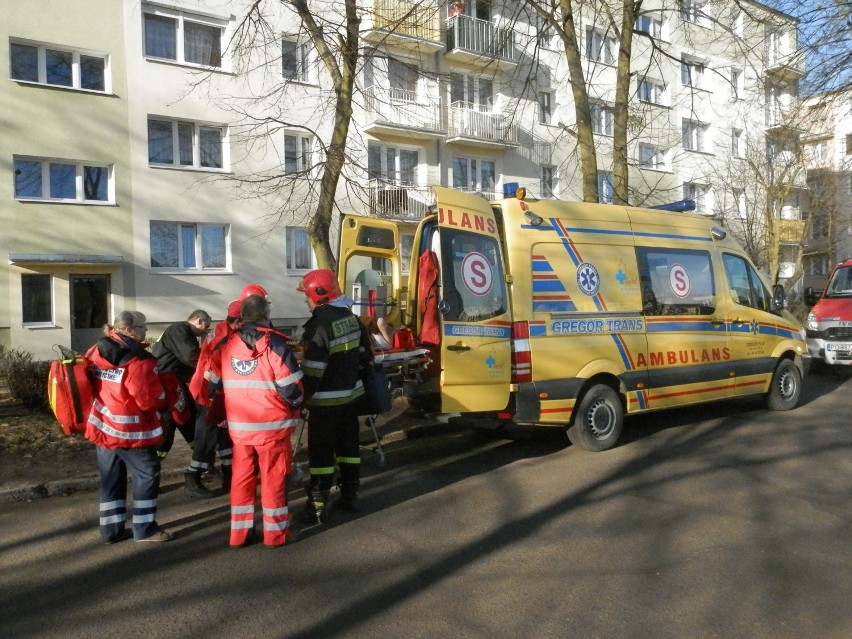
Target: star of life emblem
column 588, row 278
column 243, row 367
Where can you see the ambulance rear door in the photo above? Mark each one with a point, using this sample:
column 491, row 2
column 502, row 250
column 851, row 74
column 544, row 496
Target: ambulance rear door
column 369, row 267
column 474, row 310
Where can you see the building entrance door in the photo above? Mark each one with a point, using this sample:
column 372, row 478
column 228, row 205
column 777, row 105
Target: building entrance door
column 89, row 309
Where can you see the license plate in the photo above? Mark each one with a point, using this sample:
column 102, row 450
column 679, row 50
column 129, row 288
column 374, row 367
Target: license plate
column 838, row 347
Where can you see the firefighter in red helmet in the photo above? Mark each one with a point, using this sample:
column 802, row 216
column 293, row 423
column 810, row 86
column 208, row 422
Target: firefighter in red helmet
column 335, row 348
column 253, row 289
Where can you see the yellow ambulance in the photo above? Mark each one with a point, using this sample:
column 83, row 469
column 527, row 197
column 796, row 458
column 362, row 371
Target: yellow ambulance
column 571, row 314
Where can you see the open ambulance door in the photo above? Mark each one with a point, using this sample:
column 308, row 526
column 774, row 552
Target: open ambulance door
column 369, row 267
column 474, row 313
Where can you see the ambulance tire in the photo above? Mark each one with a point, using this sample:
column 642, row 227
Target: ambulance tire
column 598, row 421
column 786, row 387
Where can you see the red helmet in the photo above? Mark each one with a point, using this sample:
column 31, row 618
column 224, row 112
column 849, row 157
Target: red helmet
column 253, row 289
column 235, row 308
column 321, row 286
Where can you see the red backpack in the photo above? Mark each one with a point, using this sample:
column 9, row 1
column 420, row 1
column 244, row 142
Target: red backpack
column 69, row 390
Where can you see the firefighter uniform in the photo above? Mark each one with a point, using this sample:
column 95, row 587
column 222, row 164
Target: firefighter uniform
column 263, row 397
column 335, row 349
column 126, row 428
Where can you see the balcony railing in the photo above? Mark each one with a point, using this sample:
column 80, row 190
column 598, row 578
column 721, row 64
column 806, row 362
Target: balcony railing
column 784, row 64
column 402, row 18
column 481, row 38
column 477, row 122
column 405, row 109
column 791, row 231
column 398, row 200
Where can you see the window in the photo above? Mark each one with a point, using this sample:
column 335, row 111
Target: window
column 818, row 228
column 403, row 80
column 459, row 301
column 697, row 192
column 650, row 91
column 474, row 175
column 736, row 83
column 693, row 11
column 544, row 107
column 651, row 158
column 62, row 180
column 649, row 25
column 190, row 247
column 297, row 154
column 606, row 192
column 817, row 265
column 182, row 37
column 819, row 152
column 739, row 203
column 295, row 61
column 737, row 144
column 547, row 182
column 849, row 144
column 36, row 299
column 600, row 47
column 46, row 64
column 691, row 74
column 694, row 134
column 395, row 165
column 737, row 21
column 297, row 251
column 470, row 90
column 746, row 288
column 601, row 119
column 543, row 33
column 660, row 270
column 185, row 144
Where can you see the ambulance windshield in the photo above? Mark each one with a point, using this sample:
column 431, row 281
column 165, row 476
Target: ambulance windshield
column 471, row 277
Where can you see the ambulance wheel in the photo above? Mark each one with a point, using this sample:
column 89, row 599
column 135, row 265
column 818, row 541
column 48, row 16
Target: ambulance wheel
column 598, row 421
column 786, row 387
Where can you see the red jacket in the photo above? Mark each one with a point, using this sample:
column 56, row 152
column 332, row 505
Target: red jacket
column 262, row 384
column 198, row 384
column 128, row 393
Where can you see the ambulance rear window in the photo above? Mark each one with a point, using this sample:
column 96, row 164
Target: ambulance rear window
column 676, row 282
column 375, row 238
column 471, row 277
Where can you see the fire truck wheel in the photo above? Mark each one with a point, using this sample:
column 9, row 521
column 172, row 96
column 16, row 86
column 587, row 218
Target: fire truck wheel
column 786, row 387
column 598, row 421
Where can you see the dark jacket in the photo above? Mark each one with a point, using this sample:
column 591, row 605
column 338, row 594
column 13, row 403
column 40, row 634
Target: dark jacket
column 177, row 351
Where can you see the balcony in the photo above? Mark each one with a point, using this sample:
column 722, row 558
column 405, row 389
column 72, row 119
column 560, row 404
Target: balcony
column 408, row 25
column 791, row 231
column 472, row 123
column 398, row 200
column 479, row 42
column 391, row 111
column 782, row 118
column 782, row 65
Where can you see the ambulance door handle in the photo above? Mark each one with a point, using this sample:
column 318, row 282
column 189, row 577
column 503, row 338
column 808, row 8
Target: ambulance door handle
column 458, row 347
column 739, row 322
column 717, row 323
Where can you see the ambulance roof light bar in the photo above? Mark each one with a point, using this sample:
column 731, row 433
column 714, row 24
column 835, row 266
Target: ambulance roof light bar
column 682, row 205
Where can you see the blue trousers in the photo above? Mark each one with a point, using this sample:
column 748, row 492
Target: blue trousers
column 145, row 470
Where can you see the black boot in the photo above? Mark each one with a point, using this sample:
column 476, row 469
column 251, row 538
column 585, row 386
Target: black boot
column 194, row 486
column 348, row 497
column 226, row 479
column 316, row 508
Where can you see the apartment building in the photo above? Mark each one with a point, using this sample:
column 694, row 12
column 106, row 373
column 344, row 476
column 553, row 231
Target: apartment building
column 828, row 154
column 151, row 165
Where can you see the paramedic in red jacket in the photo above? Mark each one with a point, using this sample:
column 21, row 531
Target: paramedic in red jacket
column 126, row 428
column 209, row 438
column 263, row 399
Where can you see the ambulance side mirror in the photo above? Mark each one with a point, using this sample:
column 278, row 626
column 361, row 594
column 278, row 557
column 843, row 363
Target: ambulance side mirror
column 779, row 299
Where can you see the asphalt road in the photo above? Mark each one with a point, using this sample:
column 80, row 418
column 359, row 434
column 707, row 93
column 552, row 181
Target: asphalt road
column 722, row 521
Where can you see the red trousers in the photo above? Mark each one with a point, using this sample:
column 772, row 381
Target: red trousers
column 273, row 458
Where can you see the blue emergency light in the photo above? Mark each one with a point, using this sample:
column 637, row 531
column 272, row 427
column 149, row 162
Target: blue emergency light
column 683, row 205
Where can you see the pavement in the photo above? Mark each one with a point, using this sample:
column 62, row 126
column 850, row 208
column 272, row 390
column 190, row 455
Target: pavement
column 392, row 426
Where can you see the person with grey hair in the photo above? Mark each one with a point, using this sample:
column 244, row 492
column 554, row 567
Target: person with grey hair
column 126, row 428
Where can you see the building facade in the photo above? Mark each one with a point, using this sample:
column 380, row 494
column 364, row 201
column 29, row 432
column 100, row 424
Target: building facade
column 157, row 158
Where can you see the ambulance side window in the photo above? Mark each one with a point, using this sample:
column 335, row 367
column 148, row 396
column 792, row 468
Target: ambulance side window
column 471, row 277
column 744, row 284
column 676, row 281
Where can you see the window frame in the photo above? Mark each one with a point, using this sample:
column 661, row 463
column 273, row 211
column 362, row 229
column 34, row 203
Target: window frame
column 657, row 90
column 545, row 107
column 198, row 129
column 657, row 161
column 181, row 19
column 606, row 189
column 758, row 294
column 302, row 58
column 649, row 25
column 737, row 143
column 700, row 193
column 600, row 47
column 289, row 258
column 394, row 175
column 51, row 302
column 547, row 182
column 198, row 248
column 474, row 172
column 305, row 150
column 694, row 136
column 657, row 297
column 46, row 185
column 692, row 73
column 603, row 119
column 76, row 66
